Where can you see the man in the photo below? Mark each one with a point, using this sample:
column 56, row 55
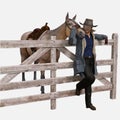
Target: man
column 84, row 63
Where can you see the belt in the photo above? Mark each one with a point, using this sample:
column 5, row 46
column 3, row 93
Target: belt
column 88, row 57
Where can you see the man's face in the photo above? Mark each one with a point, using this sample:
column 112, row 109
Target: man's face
column 87, row 29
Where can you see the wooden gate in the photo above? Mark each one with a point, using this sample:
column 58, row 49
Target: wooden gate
column 27, row 66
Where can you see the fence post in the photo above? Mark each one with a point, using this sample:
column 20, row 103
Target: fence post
column 114, row 66
column 53, row 74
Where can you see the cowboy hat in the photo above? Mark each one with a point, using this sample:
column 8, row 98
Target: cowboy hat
column 88, row 22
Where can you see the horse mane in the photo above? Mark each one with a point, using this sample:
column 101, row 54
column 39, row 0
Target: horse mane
column 35, row 34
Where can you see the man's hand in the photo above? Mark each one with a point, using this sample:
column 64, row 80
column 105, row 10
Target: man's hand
column 80, row 33
column 106, row 40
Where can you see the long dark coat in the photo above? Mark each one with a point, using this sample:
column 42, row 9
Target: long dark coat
column 80, row 42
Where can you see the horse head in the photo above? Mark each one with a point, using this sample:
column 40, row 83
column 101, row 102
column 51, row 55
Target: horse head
column 70, row 23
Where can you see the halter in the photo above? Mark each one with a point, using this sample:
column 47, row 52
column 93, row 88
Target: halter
column 76, row 24
column 71, row 24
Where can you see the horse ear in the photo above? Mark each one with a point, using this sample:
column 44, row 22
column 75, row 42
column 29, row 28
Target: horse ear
column 67, row 16
column 74, row 17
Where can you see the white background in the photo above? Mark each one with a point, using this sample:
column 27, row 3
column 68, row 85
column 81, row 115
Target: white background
column 19, row 16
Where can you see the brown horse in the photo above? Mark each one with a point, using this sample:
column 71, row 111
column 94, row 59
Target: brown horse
column 26, row 52
column 61, row 33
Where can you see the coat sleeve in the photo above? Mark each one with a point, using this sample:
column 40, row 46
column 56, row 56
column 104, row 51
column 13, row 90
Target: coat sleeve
column 100, row 37
column 79, row 61
column 72, row 38
column 76, row 39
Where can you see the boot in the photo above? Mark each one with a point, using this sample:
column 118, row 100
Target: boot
column 91, row 107
column 77, row 92
column 88, row 98
column 81, row 85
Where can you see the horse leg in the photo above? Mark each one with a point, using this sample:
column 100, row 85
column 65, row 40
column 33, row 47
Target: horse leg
column 35, row 72
column 42, row 77
column 23, row 76
column 24, row 56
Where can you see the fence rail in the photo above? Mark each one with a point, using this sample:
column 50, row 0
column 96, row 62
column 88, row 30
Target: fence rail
column 27, row 66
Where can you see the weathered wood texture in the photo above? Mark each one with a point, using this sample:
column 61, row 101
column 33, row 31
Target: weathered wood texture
column 44, row 66
column 35, row 43
column 29, row 60
column 53, row 74
column 27, row 66
column 114, row 66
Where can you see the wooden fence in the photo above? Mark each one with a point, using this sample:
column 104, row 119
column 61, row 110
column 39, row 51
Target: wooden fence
column 12, row 71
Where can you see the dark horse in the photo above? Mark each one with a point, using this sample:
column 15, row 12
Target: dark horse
column 61, row 33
